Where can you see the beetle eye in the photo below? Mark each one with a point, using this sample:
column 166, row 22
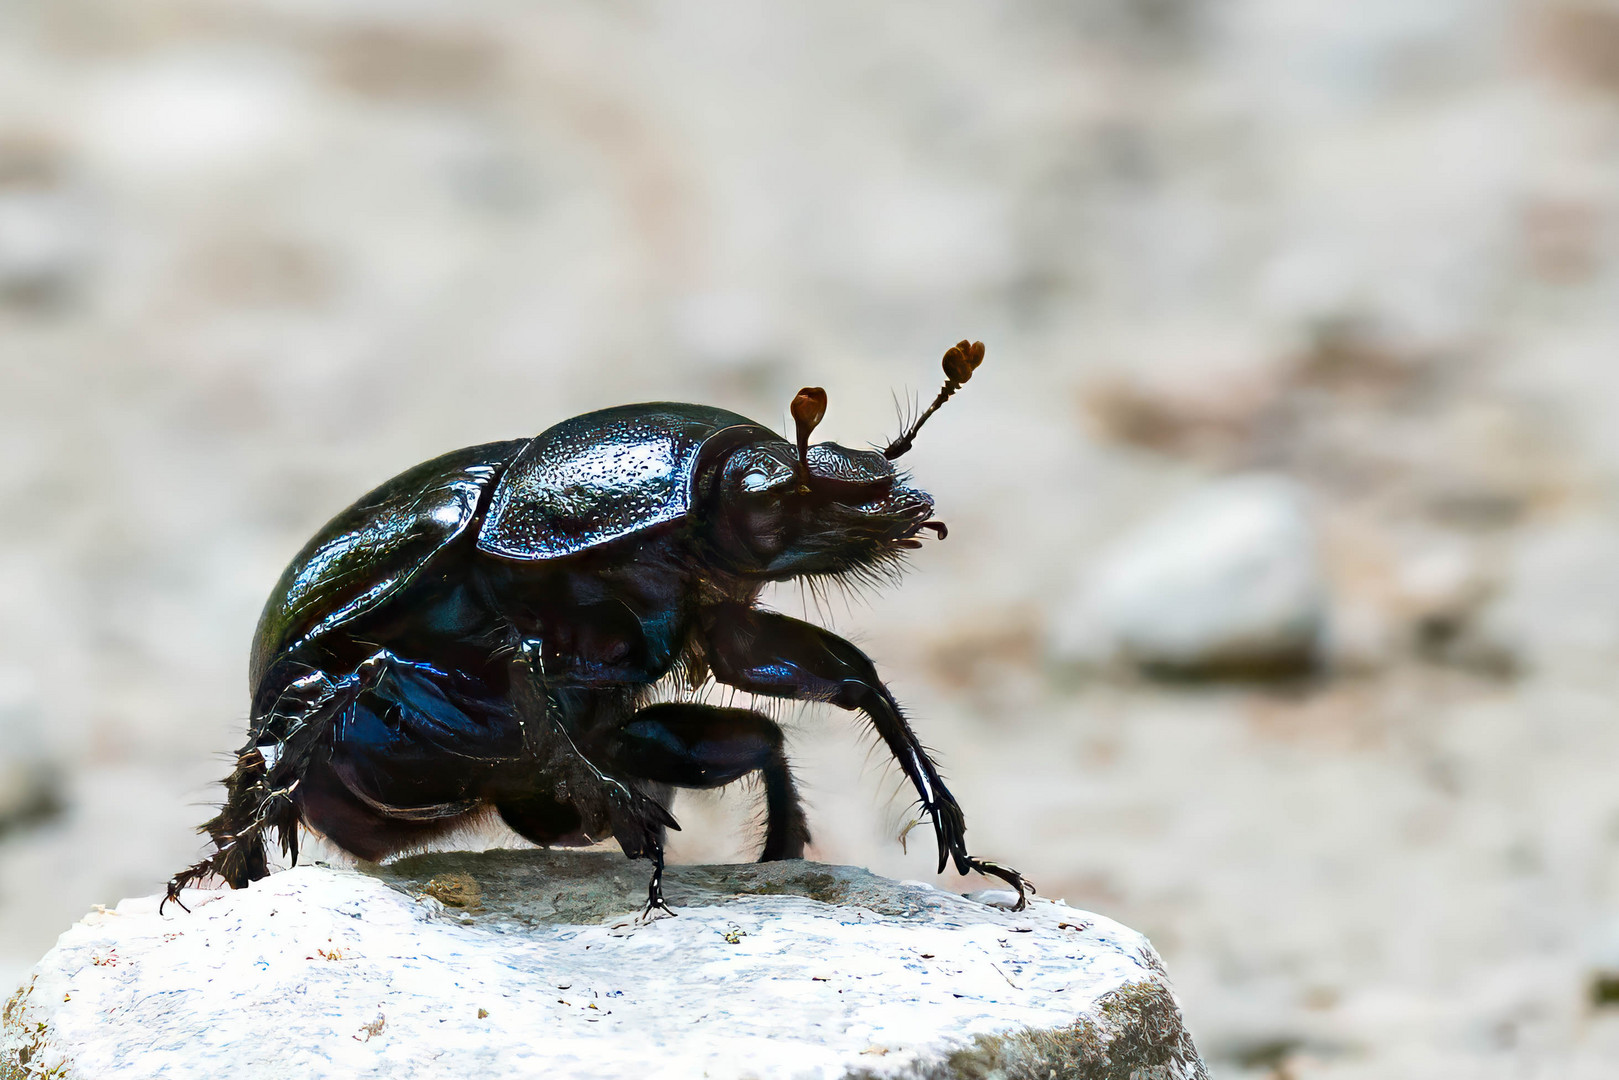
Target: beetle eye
column 768, row 475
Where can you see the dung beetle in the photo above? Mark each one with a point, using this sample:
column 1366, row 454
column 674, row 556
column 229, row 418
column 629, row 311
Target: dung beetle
column 481, row 635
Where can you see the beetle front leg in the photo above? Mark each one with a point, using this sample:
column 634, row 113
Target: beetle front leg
column 767, row 653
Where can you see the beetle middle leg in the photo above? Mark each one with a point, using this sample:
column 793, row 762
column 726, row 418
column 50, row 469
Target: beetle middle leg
column 690, row 745
column 634, row 809
column 768, row 653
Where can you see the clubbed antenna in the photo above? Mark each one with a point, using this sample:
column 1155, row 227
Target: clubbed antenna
column 809, row 406
column 960, row 361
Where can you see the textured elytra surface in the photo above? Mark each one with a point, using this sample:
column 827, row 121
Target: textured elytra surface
column 375, row 547
column 511, row 964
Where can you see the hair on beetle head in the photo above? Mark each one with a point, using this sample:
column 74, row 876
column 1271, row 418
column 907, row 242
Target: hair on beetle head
column 960, row 361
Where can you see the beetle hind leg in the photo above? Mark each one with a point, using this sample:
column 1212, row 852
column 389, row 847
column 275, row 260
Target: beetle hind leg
column 237, row 832
column 262, row 794
column 259, row 792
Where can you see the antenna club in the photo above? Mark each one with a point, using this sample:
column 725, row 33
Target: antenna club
column 960, row 361
column 809, row 407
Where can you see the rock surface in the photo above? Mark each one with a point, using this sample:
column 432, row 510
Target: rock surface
column 529, row 963
column 1224, row 581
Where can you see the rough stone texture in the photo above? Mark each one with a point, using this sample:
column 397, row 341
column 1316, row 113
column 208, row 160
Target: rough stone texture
column 1227, row 579
column 534, row 963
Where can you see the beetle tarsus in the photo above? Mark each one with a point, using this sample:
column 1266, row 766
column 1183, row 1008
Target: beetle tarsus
column 1008, row 875
column 172, row 892
column 949, row 831
column 950, row 828
column 656, row 908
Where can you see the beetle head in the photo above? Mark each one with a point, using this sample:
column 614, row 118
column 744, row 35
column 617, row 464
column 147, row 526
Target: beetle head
column 777, row 515
column 781, row 510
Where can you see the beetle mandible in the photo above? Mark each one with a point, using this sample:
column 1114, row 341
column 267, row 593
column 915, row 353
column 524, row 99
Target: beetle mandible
column 482, row 632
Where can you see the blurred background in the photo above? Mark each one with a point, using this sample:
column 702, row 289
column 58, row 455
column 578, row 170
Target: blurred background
column 1279, row 616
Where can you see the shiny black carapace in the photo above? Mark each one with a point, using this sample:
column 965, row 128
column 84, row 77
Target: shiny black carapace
column 482, row 633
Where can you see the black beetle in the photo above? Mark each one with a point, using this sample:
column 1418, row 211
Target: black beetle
column 482, row 631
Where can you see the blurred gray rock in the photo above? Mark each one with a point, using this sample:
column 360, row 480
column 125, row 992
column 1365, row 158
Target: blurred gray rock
column 1226, row 581
column 31, row 780
column 30, row 792
column 1602, row 965
column 44, row 243
column 529, row 963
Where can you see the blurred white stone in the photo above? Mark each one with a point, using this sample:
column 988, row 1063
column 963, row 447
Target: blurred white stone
column 44, row 241
column 530, row 963
column 1226, row 580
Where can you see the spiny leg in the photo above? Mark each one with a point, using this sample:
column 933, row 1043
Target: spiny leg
column 768, row 653
column 357, row 757
column 259, row 791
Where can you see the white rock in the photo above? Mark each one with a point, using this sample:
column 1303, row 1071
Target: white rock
column 1227, row 579
column 532, row 963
